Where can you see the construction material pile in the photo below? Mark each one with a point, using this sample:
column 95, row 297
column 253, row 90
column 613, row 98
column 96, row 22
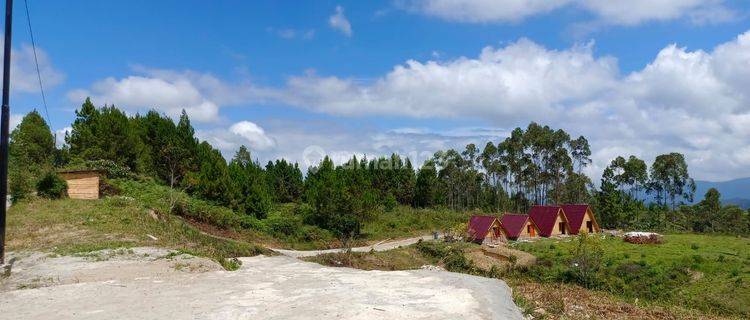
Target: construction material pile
column 643, row 238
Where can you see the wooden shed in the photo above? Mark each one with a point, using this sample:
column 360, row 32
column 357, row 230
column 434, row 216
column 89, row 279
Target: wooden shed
column 82, row 184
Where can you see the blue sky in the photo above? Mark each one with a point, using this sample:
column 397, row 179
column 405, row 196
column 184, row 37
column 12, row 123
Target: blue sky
column 374, row 77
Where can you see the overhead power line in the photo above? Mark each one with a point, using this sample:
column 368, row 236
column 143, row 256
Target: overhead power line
column 36, row 62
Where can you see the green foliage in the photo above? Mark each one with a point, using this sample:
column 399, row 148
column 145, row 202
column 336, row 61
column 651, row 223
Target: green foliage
column 586, row 261
column 105, row 134
column 31, row 153
column 285, row 181
column 108, row 167
column 20, row 185
column 670, row 179
column 248, row 185
column 686, row 270
column 51, row 186
column 31, row 143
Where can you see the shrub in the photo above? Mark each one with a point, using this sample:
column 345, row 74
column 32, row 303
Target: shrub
column 51, row 186
column 111, row 169
column 283, row 225
column 586, row 262
column 20, row 186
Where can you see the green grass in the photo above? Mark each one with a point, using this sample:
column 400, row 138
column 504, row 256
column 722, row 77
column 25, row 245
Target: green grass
column 405, row 221
column 70, row 226
column 710, row 273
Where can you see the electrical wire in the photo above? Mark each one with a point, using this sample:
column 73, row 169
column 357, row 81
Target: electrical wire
column 36, row 62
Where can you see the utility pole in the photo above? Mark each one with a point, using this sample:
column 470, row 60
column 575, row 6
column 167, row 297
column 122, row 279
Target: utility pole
column 4, row 124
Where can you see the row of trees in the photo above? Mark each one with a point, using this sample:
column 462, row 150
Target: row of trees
column 535, row 165
column 538, row 165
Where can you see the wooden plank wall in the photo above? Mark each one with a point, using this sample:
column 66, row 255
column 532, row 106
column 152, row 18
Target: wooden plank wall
column 82, row 185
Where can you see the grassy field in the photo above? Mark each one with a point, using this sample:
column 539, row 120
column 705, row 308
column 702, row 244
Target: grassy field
column 77, row 226
column 710, row 288
column 710, row 273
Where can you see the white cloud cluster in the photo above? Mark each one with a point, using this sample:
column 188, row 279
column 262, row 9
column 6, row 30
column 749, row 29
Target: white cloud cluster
column 338, row 21
column 200, row 94
column 693, row 102
column 23, row 70
column 136, row 93
column 240, row 133
column 521, row 80
column 629, row 12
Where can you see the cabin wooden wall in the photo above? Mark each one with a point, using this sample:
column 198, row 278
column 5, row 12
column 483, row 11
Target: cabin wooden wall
column 556, row 229
column 525, row 231
column 82, row 185
column 589, row 217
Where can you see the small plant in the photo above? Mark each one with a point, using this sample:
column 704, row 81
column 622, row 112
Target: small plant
column 587, row 260
column 51, row 186
column 694, row 246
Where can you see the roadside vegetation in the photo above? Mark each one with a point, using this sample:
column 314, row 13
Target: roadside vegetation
column 70, row 226
column 684, row 278
column 710, row 273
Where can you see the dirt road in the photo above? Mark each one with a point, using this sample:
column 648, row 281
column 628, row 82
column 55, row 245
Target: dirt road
column 263, row 288
column 382, row 246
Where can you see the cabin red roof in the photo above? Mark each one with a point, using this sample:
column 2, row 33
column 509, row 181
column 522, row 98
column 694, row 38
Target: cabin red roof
column 544, row 217
column 575, row 214
column 514, row 224
column 479, row 225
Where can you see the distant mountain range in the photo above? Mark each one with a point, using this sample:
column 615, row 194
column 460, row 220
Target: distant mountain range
column 736, row 192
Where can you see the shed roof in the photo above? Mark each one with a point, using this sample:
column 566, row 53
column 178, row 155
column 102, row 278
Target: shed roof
column 513, row 224
column 575, row 214
column 479, row 225
column 99, row 171
column 544, row 217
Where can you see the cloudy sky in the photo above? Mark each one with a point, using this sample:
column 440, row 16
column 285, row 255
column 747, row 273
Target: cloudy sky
column 296, row 79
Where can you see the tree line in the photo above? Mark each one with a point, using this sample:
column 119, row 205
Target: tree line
column 533, row 165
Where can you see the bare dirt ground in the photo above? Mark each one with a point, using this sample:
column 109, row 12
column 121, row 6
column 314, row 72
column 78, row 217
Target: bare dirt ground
column 149, row 283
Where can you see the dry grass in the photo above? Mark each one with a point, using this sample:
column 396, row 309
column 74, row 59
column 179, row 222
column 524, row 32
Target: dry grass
column 563, row 301
column 406, row 258
column 73, row 226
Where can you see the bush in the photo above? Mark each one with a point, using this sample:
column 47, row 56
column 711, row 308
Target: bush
column 20, row 186
column 51, row 186
column 587, row 260
column 112, row 169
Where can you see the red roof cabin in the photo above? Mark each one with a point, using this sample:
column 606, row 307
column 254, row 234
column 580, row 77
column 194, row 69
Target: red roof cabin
column 486, row 229
column 519, row 226
column 580, row 217
column 550, row 220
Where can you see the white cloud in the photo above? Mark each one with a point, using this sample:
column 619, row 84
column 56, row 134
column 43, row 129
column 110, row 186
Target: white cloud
column 520, row 80
column 339, row 22
column 240, row 133
column 694, row 102
column 15, row 120
column 485, row 10
column 168, row 91
column 136, row 93
column 607, row 12
column 60, row 135
column 290, row 34
column 254, row 134
column 23, row 70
